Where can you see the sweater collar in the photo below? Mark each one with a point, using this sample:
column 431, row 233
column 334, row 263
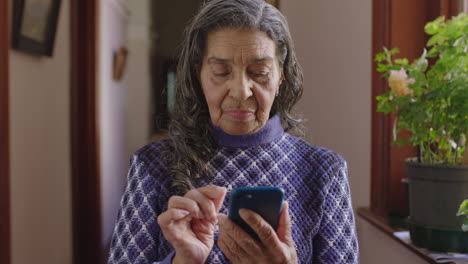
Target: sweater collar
column 269, row 132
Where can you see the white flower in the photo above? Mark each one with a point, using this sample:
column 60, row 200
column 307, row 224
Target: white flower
column 398, row 82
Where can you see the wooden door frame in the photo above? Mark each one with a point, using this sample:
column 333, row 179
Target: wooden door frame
column 86, row 194
column 381, row 137
column 5, row 238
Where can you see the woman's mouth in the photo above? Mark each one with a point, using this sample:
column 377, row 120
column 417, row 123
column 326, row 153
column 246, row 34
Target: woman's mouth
column 240, row 114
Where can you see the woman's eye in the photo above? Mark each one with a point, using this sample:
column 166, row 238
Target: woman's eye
column 260, row 74
column 221, row 74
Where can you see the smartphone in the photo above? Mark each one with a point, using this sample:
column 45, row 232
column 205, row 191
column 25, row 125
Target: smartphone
column 264, row 200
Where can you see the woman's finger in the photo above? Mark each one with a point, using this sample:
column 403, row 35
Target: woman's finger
column 206, row 205
column 231, row 238
column 186, row 204
column 215, row 193
column 209, row 199
column 224, row 244
column 168, row 221
column 263, row 229
column 171, row 215
column 284, row 226
column 237, row 237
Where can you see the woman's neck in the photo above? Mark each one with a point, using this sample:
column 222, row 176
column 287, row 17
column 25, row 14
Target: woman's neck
column 268, row 133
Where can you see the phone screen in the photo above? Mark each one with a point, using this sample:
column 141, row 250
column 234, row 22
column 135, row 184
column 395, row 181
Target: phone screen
column 265, row 200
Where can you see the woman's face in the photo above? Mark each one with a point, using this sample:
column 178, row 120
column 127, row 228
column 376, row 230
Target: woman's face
column 240, row 75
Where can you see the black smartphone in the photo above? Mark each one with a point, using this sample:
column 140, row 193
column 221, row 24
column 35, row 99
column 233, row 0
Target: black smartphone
column 265, row 200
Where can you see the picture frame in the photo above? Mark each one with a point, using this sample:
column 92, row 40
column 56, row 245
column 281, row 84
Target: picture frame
column 119, row 64
column 35, row 25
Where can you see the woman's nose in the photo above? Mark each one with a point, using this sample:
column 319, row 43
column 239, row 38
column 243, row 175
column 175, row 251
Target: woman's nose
column 241, row 88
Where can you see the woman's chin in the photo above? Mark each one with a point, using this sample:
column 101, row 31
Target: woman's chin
column 239, row 128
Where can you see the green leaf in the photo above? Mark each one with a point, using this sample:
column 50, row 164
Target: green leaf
column 379, row 57
column 392, row 51
column 382, row 68
column 432, row 52
column 433, row 27
column 403, row 61
column 436, row 39
column 463, row 210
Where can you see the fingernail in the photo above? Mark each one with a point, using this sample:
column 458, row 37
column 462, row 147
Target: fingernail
column 183, row 213
column 221, row 188
column 243, row 213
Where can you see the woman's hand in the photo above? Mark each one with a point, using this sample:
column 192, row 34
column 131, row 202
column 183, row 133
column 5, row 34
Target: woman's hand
column 189, row 222
column 274, row 247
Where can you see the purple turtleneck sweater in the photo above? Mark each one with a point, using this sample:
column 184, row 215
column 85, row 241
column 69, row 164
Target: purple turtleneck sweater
column 314, row 180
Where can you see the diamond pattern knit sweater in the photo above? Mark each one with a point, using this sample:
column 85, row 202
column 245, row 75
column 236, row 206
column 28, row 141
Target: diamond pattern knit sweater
column 314, row 180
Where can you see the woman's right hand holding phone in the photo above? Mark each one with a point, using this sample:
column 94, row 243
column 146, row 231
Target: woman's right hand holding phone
column 273, row 247
column 189, row 223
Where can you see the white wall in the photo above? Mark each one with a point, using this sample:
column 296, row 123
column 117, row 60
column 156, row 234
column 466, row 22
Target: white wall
column 40, row 152
column 138, row 76
column 124, row 106
column 112, row 113
column 333, row 43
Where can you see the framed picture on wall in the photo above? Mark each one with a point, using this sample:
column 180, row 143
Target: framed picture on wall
column 34, row 25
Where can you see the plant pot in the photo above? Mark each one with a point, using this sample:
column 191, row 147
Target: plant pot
column 435, row 194
column 398, row 219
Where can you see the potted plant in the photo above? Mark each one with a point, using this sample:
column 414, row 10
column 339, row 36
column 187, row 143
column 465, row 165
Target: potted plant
column 429, row 97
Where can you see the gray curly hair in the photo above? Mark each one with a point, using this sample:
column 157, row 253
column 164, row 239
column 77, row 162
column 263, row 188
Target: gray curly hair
column 190, row 130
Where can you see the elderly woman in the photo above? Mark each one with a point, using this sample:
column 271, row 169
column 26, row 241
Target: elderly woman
column 237, row 81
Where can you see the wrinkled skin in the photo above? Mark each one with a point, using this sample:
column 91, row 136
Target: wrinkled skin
column 273, row 247
column 189, row 222
column 240, row 76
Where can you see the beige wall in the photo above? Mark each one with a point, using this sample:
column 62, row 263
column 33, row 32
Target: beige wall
column 333, row 42
column 112, row 114
column 40, row 152
column 377, row 247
